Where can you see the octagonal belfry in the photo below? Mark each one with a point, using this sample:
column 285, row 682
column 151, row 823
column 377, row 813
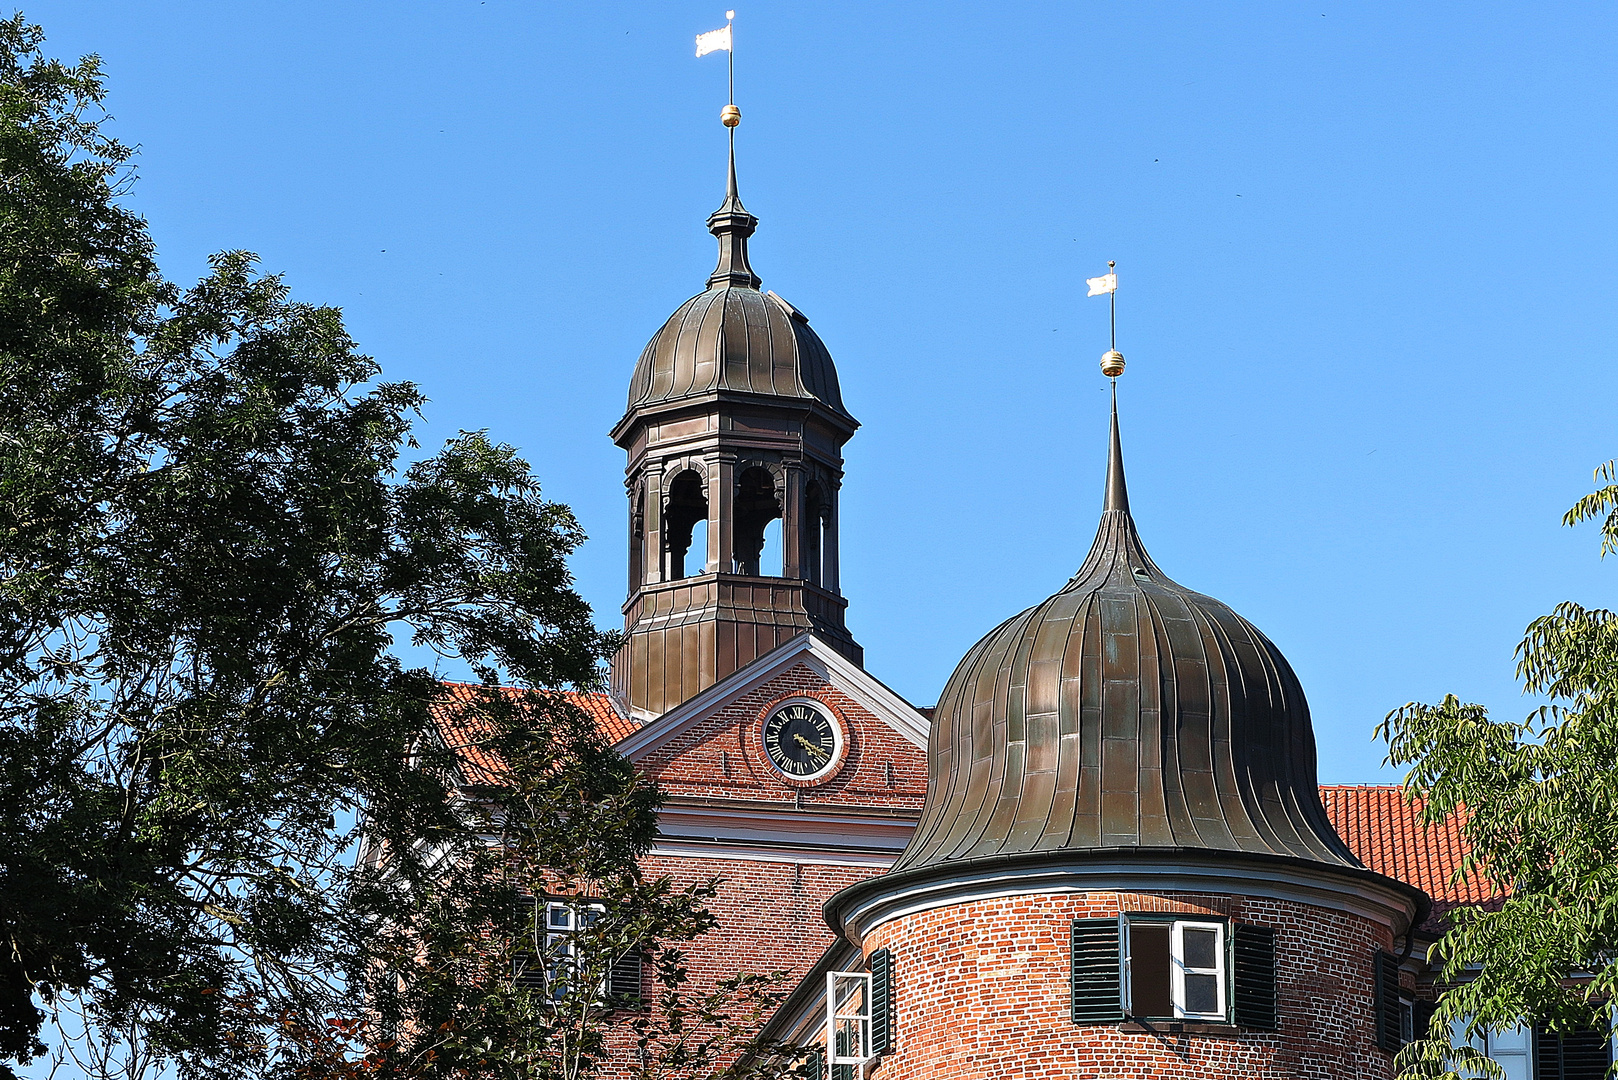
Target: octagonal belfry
column 735, row 422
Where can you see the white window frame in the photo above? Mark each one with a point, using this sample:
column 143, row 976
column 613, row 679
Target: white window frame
column 554, row 940
column 843, row 986
column 1178, row 969
column 1488, row 1044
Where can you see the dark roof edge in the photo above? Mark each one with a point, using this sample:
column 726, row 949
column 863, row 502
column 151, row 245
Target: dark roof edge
column 951, row 882
column 808, row 404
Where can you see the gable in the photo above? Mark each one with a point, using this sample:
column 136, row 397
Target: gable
column 725, row 800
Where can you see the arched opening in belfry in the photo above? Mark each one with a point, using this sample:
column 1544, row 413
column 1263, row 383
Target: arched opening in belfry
column 771, row 561
column 817, row 511
column 637, row 539
column 687, row 505
column 756, row 507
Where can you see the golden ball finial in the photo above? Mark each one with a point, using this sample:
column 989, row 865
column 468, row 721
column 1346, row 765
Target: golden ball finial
column 1112, row 364
column 730, row 116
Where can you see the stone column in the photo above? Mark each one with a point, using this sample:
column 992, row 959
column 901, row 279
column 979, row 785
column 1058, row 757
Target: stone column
column 792, row 520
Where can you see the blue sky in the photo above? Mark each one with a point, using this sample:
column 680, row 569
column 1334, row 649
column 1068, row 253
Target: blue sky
column 1366, row 251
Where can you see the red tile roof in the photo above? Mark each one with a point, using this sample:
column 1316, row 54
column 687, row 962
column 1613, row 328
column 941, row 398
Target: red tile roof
column 464, row 733
column 1378, row 824
column 1386, row 831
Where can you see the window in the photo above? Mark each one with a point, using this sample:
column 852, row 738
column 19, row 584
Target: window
column 1174, row 968
column 1151, row 966
column 1199, row 970
column 552, row 964
column 1512, row 1049
column 848, row 1018
column 562, row 922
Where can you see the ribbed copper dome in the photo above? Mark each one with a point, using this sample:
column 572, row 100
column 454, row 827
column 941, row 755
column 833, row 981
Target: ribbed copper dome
column 1126, row 711
column 733, row 338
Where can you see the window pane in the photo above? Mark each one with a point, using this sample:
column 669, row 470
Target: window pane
column 1201, row 993
column 849, row 1043
column 561, row 916
column 1201, row 950
column 1510, row 1039
column 1515, row 1066
column 1149, row 970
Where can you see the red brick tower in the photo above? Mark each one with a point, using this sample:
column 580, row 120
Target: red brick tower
column 1123, row 868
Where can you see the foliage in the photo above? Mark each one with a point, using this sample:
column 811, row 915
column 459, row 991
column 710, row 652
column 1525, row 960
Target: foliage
column 238, row 837
column 573, row 822
column 1538, row 805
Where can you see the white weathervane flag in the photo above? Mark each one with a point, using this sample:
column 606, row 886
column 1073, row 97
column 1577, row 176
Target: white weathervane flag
column 1100, row 286
column 714, row 41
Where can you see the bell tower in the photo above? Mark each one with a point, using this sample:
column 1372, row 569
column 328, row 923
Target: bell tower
column 734, row 430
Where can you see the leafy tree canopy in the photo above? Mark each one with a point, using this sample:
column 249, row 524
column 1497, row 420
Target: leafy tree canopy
column 1538, row 804
column 231, row 842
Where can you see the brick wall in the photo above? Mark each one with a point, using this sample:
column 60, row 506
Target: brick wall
column 769, row 908
column 722, row 756
column 983, row 992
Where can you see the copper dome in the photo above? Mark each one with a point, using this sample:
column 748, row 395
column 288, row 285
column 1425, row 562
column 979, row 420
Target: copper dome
column 731, row 338
column 1124, row 712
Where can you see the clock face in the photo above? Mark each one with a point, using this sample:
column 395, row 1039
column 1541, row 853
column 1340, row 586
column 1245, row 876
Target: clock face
column 802, row 741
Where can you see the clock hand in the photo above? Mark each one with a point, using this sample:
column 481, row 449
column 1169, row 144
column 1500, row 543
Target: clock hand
column 811, row 747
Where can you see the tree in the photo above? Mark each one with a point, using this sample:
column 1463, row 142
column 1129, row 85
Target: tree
column 1538, row 805
column 236, row 837
column 541, row 956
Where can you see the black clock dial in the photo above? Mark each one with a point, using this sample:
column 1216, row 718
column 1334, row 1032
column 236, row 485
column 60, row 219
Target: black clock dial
column 800, row 740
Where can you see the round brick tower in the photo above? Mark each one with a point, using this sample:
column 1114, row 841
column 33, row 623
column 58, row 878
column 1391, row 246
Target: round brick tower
column 1123, row 868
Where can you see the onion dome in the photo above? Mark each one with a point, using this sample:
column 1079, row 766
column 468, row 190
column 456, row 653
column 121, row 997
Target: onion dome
column 1125, row 712
column 733, row 339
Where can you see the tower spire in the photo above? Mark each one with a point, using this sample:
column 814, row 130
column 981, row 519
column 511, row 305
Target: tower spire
column 731, row 223
column 1117, row 497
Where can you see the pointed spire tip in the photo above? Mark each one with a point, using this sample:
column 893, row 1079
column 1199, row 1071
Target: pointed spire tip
column 1117, row 497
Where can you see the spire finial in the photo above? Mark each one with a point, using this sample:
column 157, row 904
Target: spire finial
column 731, row 223
column 1112, row 361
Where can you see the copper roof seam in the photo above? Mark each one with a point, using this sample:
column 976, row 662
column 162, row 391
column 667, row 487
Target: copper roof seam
column 1175, row 803
column 1016, row 706
column 972, row 808
column 688, row 339
column 1000, row 743
column 1235, row 686
column 944, row 805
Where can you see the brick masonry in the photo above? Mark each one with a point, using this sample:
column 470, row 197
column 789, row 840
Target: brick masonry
column 769, row 908
column 983, row 992
column 722, row 756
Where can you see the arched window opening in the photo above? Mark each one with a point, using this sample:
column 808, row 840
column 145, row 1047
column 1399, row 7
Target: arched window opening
column 687, row 505
column 817, row 513
column 756, row 507
column 637, row 539
column 771, row 561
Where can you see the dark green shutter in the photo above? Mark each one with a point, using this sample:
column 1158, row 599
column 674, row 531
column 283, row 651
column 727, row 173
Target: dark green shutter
column 1385, row 975
column 814, row 1066
column 1254, row 953
column 883, row 1027
column 1577, row 1055
column 1095, row 972
column 623, row 983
